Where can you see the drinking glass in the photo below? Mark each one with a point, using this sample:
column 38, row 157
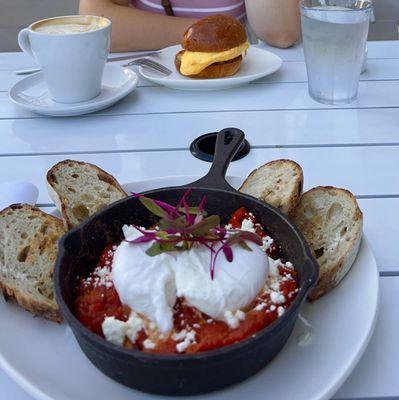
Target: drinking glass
column 334, row 40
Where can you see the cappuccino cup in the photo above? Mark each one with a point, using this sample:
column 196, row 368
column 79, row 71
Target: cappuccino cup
column 71, row 52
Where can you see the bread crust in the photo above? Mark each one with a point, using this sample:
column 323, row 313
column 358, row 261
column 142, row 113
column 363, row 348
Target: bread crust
column 46, row 311
column 288, row 205
column 60, row 200
column 214, row 33
column 47, row 308
column 331, row 274
column 213, row 71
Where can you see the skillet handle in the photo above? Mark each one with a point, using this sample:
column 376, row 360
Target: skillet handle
column 228, row 142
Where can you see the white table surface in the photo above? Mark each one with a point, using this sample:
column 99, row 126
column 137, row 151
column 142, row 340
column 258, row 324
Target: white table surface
column 147, row 135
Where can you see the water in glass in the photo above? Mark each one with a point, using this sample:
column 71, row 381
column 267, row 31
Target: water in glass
column 334, row 40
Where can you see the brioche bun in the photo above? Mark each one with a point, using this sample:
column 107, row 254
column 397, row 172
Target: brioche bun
column 213, row 71
column 215, row 33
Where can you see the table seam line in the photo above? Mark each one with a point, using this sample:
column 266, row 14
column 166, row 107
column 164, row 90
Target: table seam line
column 267, row 83
column 176, row 149
column 290, row 61
column 212, row 111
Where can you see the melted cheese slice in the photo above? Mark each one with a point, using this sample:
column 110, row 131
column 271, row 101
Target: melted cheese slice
column 193, row 62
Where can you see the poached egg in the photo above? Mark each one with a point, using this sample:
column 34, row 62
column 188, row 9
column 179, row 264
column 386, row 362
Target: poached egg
column 151, row 285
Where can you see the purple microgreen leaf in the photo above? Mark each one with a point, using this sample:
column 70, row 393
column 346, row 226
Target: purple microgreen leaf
column 244, row 235
column 187, row 211
column 184, row 197
column 170, row 239
column 167, row 207
column 142, row 239
column 154, row 250
column 244, row 245
column 151, row 206
column 228, row 252
column 202, row 205
column 192, row 210
column 167, row 247
column 177, row 223
column 205, row 225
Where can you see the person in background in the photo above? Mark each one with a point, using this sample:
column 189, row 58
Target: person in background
column 155, row 24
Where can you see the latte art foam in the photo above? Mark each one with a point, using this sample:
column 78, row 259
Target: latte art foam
column 72, row 25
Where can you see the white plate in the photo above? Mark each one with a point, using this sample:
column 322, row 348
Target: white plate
column 32, row 94
column 45, row 359
column 257, row 64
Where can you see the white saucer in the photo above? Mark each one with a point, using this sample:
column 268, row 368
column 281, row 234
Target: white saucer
column 257, row 64
column 45, row 359
column 32, row 94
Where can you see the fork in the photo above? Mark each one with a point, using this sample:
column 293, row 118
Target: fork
column 148, row 63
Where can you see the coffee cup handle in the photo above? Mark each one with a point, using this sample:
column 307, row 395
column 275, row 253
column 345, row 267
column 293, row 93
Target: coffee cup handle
column 23, row 41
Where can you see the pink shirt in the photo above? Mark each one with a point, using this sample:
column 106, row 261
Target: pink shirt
column 195, row 8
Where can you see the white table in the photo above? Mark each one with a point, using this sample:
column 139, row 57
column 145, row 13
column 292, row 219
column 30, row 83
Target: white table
column 147, row 135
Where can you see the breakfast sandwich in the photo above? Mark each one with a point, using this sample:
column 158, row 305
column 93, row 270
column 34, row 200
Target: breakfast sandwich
column 213, row 48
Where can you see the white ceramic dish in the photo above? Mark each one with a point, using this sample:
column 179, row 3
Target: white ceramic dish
column 32, row 94
column 257, row 64
column 45, row 359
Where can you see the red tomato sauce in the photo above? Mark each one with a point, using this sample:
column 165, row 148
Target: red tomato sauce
column 97, row 298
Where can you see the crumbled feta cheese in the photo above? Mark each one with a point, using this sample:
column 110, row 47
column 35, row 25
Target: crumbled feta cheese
column 247, row 225
column 233, row 320
column 280, row 311
column 275, row 286
column 228, row 226
column 179, row 335
column 267, row 241
column 148, row 344
column 240, row 315
column 102, row 272
column 289, row 265
column 114, row 330
column 260, row 306
column 277, row 297
column 273, row 267
column 272, row 307
column 188, row 340
column 101, row 277
column 135, row 325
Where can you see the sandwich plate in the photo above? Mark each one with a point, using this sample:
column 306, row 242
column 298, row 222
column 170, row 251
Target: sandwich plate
column 46, row 361
column 257, row 64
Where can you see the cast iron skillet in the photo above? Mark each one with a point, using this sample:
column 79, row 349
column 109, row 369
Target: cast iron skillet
column 80, row 249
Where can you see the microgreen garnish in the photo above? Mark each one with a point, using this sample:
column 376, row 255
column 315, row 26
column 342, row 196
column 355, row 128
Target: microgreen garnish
column 181, row 226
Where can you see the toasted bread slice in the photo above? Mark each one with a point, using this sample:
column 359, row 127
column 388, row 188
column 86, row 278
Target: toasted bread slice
column 332, row 224
column 28, row 250
column 278, row 183
column 80, row 189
